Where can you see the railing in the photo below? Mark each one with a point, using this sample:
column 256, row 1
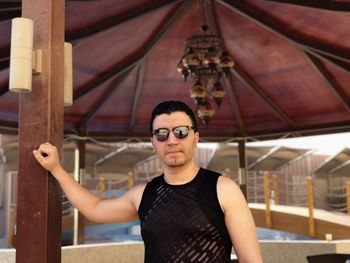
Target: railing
column 292, row 190
column 306, row 190
column 274, row 188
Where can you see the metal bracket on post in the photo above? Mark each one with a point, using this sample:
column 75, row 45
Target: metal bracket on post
column 37, row 61
column 241, row 176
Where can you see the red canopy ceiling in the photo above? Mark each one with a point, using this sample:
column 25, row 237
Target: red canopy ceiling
column 291, row 74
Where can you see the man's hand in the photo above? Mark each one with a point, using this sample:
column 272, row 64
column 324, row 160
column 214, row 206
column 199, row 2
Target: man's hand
column 47, row 156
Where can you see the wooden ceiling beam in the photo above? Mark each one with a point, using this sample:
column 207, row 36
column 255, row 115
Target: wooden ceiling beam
column 11, row 3
column 261, row 18
column 11, row 131
column 132, row 60
column 115, row 20
column 75, row 36
column 138, row 89
column 305, row 130
column 343, row 66
column 324, row 4
column 7, row 13
column 232, row 97
column 4, row 88
column 248, row 82
column 329, row 80
column 81, row 0
column 103, row 98
column 172, row 18
column 9, row 124
column 114, row 71
column 4, row 63
column 327, row 54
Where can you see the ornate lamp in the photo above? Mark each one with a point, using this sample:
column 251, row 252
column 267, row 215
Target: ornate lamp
column 205, row 60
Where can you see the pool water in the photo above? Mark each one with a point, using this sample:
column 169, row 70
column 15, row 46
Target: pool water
column 121, row 232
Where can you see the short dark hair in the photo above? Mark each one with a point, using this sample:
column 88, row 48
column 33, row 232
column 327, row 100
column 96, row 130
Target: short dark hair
column 171, row 106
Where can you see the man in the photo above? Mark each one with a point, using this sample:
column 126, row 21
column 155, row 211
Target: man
column 188, row 214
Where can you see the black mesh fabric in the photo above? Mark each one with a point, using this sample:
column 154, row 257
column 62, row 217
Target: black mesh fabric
column 184, row 223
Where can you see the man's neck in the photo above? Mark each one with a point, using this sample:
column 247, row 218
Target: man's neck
column 181, row 174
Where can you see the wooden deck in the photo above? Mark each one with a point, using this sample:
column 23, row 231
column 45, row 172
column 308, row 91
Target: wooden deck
column 295, row 220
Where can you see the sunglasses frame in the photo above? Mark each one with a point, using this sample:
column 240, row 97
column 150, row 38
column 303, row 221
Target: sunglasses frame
column 155, row 132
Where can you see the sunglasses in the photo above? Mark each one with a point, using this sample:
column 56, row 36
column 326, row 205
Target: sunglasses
column 180, row 132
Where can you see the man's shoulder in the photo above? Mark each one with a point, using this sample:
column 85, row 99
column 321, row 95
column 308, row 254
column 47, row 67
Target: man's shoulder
column 139, row 187
column 227, row 186
column 136, row 190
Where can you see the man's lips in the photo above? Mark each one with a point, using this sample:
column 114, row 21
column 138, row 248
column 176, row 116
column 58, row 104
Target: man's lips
column 173, row 151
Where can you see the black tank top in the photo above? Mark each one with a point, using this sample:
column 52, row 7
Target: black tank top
column 184, row 223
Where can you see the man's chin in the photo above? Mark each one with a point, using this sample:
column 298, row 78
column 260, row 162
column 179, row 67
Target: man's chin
column 175, row 163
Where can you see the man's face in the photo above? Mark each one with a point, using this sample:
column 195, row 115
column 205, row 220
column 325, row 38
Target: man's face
column 175, row 152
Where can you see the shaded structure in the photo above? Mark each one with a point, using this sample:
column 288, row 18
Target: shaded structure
column 330, row 179
column 226, row 157
column 277, row 157
column 335, row 166
column 290, row 76
column 289, row 165
column 107, row 159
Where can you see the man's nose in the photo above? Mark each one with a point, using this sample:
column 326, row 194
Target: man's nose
column 172, row 139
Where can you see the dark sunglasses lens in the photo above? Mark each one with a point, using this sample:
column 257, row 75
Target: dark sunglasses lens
column 162, row 134
column 181, row 132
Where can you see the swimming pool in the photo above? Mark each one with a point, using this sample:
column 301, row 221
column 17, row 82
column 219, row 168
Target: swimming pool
column 122, row 232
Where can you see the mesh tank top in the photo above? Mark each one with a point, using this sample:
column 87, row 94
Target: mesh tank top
column 184, row 223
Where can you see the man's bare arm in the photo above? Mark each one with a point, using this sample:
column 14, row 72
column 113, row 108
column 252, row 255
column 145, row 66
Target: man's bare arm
column 103, row 211
column 239, row 221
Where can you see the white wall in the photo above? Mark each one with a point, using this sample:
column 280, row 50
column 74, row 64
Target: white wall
column 273, row 252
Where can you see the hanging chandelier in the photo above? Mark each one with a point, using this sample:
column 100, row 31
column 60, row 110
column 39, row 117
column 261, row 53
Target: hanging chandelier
column 205, row 60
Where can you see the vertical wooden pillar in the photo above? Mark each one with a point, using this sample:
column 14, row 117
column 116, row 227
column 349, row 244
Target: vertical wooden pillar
column 11, row 228
column 39, row 210
column 130, row 180
column 101, row 188
column 242, row 170
column 275, row 189
column 348, row 196
column 268, row 220
column 310, row 201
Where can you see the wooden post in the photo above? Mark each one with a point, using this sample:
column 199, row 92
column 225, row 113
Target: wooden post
column 11, row 228
column 275, row 189
column 227, row 173
column 39, row 206
column 348, row 196
column 268, row 220
column 102, row 188
column 310, row 202
column 242, row 170
column 130, row 180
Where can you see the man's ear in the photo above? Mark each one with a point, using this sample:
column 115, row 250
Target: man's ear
column 197, row 137
column 151, row 140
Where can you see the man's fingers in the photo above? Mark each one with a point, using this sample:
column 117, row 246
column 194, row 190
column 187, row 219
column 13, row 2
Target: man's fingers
column 46, row 148
column 38, row 155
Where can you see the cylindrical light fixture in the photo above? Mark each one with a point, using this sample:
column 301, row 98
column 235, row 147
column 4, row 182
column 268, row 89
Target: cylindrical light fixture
column 68, row 74
column 21, row 55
